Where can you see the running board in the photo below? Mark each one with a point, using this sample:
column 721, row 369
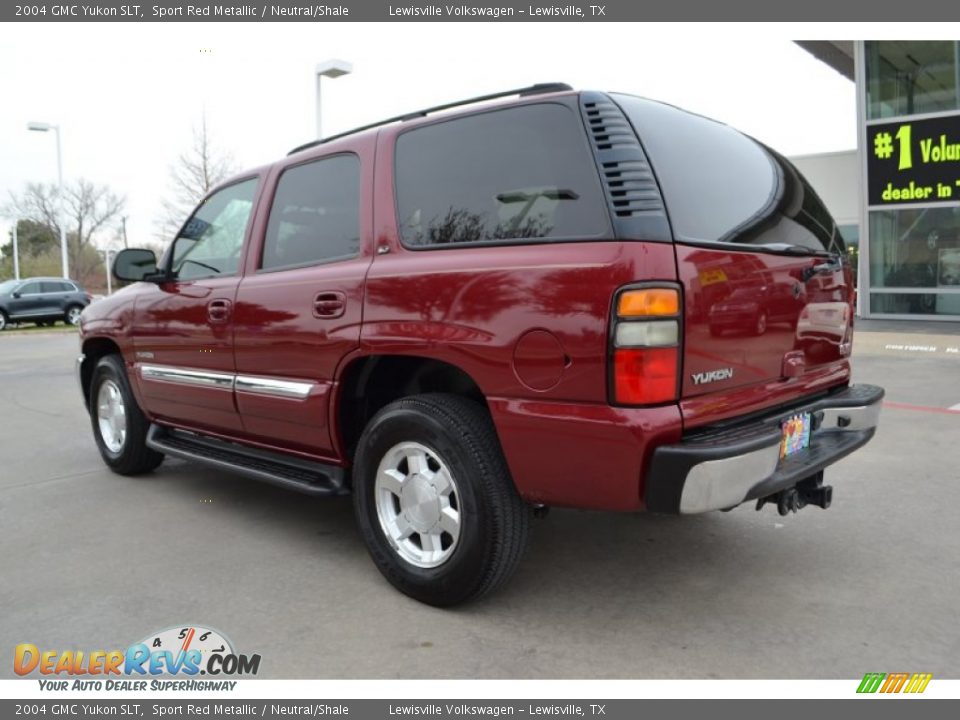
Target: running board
column 304, row 476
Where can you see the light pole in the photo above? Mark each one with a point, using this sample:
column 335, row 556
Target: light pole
column 106, row 264
column 44, row 127
column 16, row 252
column 331, row 69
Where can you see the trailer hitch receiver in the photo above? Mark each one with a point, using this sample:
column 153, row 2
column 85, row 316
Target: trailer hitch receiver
column 809, row 491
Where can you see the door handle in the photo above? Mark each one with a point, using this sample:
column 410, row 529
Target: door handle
column 329, row 304
column 218, row 310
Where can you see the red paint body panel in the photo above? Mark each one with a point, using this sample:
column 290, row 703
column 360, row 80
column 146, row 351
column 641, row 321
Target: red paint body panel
column 725, row 293
column 277, row 333
column 579, row 454
column 171, row 327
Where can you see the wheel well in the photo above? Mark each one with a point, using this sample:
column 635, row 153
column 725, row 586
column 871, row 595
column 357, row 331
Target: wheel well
column 371, row 383
column 93, row 350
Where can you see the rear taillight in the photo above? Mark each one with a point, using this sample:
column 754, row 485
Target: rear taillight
column 646, row 346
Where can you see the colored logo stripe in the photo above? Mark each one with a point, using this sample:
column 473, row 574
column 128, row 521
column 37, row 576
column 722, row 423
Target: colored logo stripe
column 918, row 682
column 871, row 682
column 894, row 682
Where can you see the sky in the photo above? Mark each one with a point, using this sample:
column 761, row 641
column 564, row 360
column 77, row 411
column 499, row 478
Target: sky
column 127, row 96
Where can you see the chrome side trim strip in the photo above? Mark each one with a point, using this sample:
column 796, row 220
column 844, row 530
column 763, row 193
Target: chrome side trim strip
column 78, row 372
column 241, row 383
column 184, row 376
column 272, row 386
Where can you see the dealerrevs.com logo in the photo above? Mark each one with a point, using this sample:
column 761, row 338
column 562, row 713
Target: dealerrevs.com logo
column 183, row 651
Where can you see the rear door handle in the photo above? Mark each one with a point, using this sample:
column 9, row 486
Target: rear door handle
column 218, row 311
column 330, row 304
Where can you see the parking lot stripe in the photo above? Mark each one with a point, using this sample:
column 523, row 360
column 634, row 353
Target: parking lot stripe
column 955, row 410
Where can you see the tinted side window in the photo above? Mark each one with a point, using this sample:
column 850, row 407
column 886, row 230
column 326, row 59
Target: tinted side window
column 212, row 239
column 315, row 215
column 520, row 173
column 722, row 186
column 30, row 288
column 53, row 287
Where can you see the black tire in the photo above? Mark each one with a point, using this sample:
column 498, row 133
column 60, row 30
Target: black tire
column 494, row 519
column 4, row 320
column 760, row 327
column 133, row 457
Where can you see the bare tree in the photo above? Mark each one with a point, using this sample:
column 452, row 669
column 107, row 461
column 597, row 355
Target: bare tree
column 195, row 174
column 89, row 212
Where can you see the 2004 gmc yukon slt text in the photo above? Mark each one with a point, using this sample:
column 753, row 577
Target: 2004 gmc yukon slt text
column 462, row 316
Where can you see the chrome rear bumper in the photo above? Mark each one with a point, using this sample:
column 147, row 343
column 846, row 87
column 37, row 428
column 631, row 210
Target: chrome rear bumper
column 720, row 469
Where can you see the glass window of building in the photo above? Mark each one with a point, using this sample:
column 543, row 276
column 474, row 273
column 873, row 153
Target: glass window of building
column 915, row 261
column 912, row 77
column 851, row 239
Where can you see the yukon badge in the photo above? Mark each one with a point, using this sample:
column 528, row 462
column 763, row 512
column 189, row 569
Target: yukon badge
column 710, row 376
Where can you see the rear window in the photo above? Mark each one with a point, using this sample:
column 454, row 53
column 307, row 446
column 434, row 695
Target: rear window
column 523, row 173
column 723, row 186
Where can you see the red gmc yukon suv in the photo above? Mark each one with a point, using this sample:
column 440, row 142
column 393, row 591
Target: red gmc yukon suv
column 475, row 311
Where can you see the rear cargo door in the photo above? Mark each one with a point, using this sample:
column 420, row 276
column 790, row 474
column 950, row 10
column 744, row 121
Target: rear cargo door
column 767, row 288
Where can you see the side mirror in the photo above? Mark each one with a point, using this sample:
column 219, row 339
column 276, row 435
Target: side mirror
column 16, row 295
column 134, row 265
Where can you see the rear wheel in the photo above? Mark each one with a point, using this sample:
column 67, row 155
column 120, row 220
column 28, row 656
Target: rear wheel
column 72, row 315
column 434, row 500
column 119, row 426
column 761, row 325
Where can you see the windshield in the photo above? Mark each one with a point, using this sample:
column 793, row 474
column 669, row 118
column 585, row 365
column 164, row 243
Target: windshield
column 7, row 286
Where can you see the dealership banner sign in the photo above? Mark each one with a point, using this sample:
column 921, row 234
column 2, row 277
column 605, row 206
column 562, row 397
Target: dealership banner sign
column 913, row 162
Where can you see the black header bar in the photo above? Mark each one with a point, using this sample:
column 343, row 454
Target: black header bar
column 473, row 11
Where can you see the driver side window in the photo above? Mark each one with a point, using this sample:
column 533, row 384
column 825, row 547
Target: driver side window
column 211, row 242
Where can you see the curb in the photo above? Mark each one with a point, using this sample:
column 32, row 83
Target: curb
column 907, row 344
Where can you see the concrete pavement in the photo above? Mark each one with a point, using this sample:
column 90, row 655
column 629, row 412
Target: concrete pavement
column 92, row 560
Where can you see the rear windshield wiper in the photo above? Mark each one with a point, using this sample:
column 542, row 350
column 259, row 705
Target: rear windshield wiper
column 791, row 249
column 515, row 196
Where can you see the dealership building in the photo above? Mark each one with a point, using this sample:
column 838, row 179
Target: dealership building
column 897, row 197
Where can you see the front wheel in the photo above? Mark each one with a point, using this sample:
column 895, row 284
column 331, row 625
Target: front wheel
column 435, row 502
column 119, row 426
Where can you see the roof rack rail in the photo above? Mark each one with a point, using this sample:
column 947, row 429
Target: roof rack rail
column 537, row 89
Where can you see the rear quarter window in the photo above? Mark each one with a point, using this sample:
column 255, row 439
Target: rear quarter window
column 519, row 174
column 720, row 185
